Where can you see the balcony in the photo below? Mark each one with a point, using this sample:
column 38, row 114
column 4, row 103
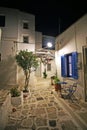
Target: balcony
column 24, row 46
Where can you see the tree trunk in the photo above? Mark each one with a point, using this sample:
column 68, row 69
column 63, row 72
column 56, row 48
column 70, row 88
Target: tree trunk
column 27, row 75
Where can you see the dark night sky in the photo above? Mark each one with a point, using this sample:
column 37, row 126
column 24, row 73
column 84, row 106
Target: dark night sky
column 48, row 13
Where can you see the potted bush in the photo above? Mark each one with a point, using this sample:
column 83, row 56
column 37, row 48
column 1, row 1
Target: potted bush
column 52, row 80
column 56, row 84
column 16, row 96
column 29, row 63
column 44, row 75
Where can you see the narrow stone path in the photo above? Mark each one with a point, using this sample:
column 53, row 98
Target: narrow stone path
column 41, row 111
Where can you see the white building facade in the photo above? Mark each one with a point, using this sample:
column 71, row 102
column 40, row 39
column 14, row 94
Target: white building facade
column 71, row 56
column 17, row 32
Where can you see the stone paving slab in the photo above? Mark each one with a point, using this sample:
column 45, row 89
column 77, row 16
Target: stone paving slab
column 39, row 113
column 43, row 111
column 79, row 108
column 68, row 125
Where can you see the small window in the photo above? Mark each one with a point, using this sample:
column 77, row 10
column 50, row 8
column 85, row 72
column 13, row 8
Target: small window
column 0, row 56
column 48, row 67
column 25, row 39
column 2, row 21
column 25, row 25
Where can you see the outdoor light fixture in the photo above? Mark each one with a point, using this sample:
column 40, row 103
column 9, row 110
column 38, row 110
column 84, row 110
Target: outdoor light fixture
column 49, row 44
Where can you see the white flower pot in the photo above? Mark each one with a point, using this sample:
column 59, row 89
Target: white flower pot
column 15, row 101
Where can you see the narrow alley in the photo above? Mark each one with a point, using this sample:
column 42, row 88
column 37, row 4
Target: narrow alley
column 46, row 110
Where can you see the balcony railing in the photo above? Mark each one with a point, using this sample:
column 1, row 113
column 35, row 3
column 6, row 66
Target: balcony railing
column 24, row 46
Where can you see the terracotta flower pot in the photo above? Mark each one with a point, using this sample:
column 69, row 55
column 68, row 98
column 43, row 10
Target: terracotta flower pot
column 57, row 87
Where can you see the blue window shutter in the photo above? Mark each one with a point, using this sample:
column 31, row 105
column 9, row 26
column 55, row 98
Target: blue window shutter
column 74, row 65
column 63, row 68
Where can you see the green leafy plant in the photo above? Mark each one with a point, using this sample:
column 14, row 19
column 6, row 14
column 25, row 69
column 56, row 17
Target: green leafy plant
column 15, row 92
column 56, row 80
column 44, row 75
column 29, row 63
column 57, row 84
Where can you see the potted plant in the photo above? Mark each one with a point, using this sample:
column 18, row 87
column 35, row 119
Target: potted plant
column 16, row 96
column 44, row 75
column 29, row 63
column 57, row 84
column 52, row 80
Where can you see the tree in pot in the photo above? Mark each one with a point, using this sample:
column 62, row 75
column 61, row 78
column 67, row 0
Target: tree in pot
column 29, row 63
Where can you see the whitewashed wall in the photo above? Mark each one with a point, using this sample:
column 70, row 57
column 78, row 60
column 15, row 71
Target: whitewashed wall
column 73, row 39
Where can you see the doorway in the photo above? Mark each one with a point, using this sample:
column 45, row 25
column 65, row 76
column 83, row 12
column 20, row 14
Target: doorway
column 85, row 71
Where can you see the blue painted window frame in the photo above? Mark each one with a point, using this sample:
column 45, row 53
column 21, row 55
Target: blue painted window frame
column 65, row 72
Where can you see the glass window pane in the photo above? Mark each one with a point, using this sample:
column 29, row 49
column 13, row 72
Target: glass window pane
column 70, row 69
column 70, row 58
column 25, row 39
column 25, row 25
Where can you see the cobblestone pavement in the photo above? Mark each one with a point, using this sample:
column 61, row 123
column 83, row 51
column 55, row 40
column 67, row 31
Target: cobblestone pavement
column 42, row 110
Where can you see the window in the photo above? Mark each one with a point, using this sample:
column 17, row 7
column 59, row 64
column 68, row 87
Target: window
column 48, row 67
column 0, row 56
column 25, row 25
column 2, row 21
column 69, row 65
column 25, row 39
